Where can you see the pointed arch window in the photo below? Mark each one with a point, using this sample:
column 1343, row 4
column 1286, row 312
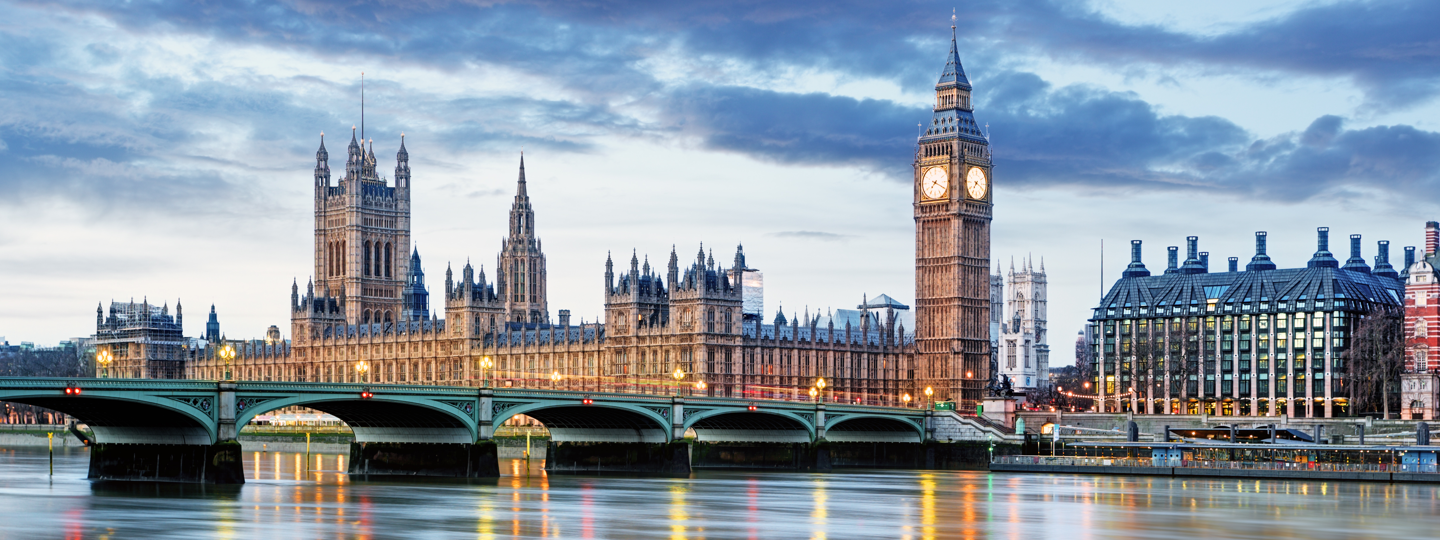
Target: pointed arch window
column 366, row 268
column 389, row 260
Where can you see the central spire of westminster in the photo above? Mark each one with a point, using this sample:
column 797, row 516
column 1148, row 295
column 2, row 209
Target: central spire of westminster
column 522, row 264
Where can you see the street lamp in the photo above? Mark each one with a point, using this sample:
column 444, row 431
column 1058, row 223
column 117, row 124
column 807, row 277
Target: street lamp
column 678, row 375
column 928, row 393
column 104, row 358
column 362, row 368
column 700, row 386
column 813, row 393
column 227, row 353
column 485, row 364
column 821, row 385
column 906, row 399
column 554, row 377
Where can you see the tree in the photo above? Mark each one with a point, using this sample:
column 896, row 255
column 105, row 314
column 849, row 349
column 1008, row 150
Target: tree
column 60, row 362
column 1066, row 379
column 1377, row 357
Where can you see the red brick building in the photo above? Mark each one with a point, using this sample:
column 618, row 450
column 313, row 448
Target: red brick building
column 1420, row 386
column 1422, row 306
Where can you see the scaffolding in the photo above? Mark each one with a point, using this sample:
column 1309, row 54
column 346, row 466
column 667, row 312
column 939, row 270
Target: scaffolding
column 144, row 341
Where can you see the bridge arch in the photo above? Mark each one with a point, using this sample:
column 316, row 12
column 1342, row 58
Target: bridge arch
column 872, row 428
column 735, row 424
column 380, row 418
column 569, row 421
column 117, row 417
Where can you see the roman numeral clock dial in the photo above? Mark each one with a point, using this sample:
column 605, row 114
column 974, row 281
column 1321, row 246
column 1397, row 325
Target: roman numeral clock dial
column 976, row 183
column 936, row 183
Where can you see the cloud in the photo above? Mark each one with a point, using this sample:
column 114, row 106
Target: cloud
column 811, row 235
column 794, row 128
column 1387, row 47
column 1073, row 135
column 1326, row 156
column 84, row 115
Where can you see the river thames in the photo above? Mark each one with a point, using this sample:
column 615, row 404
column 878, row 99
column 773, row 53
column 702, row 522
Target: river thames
column 288, row 496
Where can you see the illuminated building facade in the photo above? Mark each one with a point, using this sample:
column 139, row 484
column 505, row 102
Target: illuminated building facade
column 1259, row 342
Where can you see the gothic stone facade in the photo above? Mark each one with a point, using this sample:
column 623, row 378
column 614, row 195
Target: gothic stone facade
column 688, row 320
column 1024, row 353
column 952, row 204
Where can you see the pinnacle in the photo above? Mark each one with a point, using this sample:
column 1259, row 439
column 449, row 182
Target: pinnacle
column 520, row 185
column 954, row 73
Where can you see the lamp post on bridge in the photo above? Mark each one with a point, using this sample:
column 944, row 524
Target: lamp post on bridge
column 700, row 386
column 362, row 369
column 906, row 399
column 554, row 379
column 929, row 392
column 820, row 384
column 813, row 394
column 678, row 375
column 104, row 358
column 485, row 364
column 227, row 353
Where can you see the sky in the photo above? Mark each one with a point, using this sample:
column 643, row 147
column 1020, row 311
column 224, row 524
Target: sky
column 164, row 150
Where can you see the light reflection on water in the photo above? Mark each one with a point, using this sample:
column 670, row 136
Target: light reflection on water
column 289, row 496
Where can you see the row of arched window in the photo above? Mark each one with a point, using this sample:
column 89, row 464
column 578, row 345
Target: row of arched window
column 335, row 257
column 379, row 259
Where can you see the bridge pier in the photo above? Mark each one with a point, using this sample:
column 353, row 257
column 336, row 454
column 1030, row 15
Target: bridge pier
column 661, row 458
column 390, row 459
column 218, row 463
column 810, row 457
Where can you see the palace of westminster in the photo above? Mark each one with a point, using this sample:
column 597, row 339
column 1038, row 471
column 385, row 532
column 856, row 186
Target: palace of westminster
column 368, row 303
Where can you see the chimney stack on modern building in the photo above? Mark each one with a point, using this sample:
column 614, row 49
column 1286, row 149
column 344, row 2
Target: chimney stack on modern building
column 1356, row 263
column 1323, row 258
column 1137, row 267
column 1432, row 237
column 1260, row 261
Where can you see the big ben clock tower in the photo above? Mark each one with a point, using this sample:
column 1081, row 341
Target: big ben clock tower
column 952, row 244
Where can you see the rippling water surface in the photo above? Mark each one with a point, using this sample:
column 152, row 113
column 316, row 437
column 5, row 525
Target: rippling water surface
column 283, row 500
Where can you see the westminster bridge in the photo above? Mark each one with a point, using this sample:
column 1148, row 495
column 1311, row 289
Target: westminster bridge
column 185, row 430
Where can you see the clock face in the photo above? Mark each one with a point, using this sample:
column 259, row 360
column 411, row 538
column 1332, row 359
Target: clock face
column 976, row 183
column 935, row 183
